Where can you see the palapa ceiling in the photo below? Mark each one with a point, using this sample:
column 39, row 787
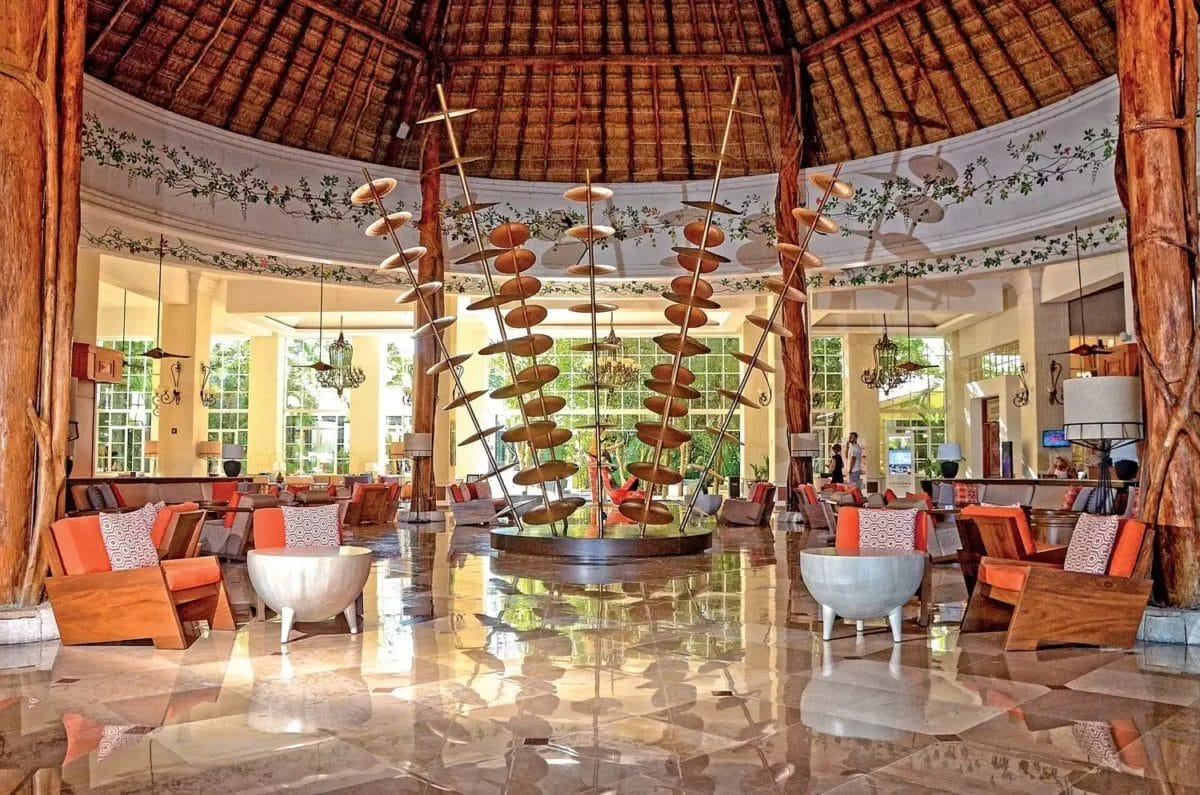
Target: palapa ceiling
column 631, row 90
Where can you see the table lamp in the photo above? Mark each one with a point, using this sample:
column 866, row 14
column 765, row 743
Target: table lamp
column 1102, row 414
column 232, row 453
column 210, row 450
column 949, row 454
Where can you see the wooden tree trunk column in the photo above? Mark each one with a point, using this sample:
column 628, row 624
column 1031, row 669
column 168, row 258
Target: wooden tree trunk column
column 797, row 386
column 1156, row 66
column 425, row 350
column 41, row 77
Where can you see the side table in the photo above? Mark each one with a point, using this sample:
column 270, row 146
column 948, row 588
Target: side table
column 310, row 583
column 861, row 583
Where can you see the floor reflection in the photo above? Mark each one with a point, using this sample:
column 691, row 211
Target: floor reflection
column 486, row 673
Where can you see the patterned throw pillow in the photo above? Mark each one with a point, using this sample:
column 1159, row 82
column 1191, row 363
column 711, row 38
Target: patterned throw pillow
column 1091, row 544
column 127, row 540
column 95, row 498
column 966, row 494
column 483, row 489
column 1069, row 497
column 311, row 527
column 108, row 496
column 887, row 528
column 456, row 493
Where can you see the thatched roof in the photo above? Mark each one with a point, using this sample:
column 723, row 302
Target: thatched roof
column 622, row 87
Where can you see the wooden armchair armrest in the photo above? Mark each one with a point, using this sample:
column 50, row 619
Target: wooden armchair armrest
column 108, row 580
column 1058, row 606
column 1055, row 580
column 986, row 561
column 1053, row 555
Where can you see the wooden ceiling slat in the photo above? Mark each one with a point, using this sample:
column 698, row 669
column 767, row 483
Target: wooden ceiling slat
column 247, row 78
column 313, row 70
column 894, row 127
column 134, row 39
column 205, row 104
column 970, row 49
column 1069, row 27
column 187, row 76
column 348, row 102
column 981, row 13
column 108, row 28
column 855, row 28
column 918, row 60
column 362, row 27
column 352, row 149
column 156, row 71
column 1040, row 44
column 275, row 90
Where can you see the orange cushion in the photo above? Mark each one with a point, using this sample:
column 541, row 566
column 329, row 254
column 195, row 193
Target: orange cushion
column 808, row 493
column 1006, row 512
column 1069, row 497
column 234, row 500
column 393, row 491
column 187, row 573
column 888, row 497
column 847, row 529
column 159, row 528
column 1125, row 549
column 1008, row 576
column 223, row 490
column 80, row 545
column 759, row 494
column 118, row 496
column 406, row 492
column 268, row 529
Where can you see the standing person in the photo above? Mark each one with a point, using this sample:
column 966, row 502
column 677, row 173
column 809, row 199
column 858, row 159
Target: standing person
column 836, row 475
column 854, row 453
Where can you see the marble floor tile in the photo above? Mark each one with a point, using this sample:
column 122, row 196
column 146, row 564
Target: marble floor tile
column 477, row 672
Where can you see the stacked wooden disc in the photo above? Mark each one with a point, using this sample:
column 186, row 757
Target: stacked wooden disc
column 689, row 300
column 423, row 294
column 789, row 286
column 536, row 428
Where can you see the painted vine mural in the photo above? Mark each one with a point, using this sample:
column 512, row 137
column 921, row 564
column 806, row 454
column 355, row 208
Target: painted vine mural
column 1033, row 163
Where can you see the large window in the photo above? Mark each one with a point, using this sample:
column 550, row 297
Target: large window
column 229, row 379
column 622, row 407
column 828, row 384
column 123, row 411
column 316, row 428
column 919, row 405
column 1002, row 360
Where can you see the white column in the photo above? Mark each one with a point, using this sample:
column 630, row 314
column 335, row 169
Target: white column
column 1043, row 329
column 265, row 419
column 186, row 329
column 756, row 426
column 470, row 460
column 83, row 393
column 366, row 405
column 861, row 404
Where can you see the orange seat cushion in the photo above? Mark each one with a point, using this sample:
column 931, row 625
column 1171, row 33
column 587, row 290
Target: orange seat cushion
column 159, row 529
column 186, row 573
column 847, row 536
column 1007, row 576
column 223, row 490
column 80, row 545
column 1126, row 548
column 269, row 532
column 1005, row 512
column 234, row 500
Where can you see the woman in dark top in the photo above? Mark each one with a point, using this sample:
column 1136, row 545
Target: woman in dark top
column 835, row 466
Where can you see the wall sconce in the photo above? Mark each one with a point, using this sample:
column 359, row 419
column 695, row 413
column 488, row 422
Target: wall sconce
column 209, row 398
column 1056, row 395
column 172, row 396
column 1021, row 398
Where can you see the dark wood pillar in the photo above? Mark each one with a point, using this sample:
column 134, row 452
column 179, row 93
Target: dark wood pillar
column 797, row 379
column 41, row 78
column 1156, row 67
column 425, row 351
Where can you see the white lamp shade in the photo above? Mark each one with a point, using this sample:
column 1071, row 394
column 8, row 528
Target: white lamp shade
column 395, row 449
column 949, row 451
column 232, row 452
column 209, row 449
column 1102, row 408
column 803, row 445
column 150, row 448
column 419, row 445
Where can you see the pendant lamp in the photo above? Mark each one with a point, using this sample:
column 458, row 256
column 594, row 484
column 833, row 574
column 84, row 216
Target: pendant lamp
column 156, row 352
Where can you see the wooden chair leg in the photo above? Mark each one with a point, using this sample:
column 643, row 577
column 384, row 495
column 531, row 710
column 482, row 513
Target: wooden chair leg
column 175, row 640
column 222, row 616
column 984, row 614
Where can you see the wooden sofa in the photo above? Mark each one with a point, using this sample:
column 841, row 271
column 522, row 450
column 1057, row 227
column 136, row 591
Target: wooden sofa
column 94, row 604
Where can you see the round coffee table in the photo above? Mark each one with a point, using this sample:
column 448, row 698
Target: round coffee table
column 310, row 583
column 859, row 584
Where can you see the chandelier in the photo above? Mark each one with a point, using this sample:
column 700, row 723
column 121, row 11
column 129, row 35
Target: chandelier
column 615, row 371
column 342, row 374
column 885, row 375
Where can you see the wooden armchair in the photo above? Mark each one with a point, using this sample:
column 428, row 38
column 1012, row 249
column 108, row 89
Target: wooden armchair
column 754, row 512
column 94, row 604
column 999, row 532
column 228, row 534
column 368, row 504
column 1038, row 601
column 392, row 502
column 848, row 535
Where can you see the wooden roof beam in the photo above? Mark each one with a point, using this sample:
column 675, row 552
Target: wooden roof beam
column 363, row 27
column 723, row 61
column 858, row 27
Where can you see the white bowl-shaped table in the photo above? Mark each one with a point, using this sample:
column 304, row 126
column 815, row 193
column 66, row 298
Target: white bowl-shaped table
column 860, row 584
column 310, row 583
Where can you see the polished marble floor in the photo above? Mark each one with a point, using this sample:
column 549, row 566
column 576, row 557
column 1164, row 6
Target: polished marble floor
column 480, row 673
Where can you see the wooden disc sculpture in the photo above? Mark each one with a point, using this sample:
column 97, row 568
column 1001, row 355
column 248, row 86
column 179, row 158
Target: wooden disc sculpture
column 789, row 287
column 501, row 252
column 671, row 381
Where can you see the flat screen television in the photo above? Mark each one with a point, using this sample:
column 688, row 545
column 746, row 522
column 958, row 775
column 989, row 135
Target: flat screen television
column 1054, row 438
